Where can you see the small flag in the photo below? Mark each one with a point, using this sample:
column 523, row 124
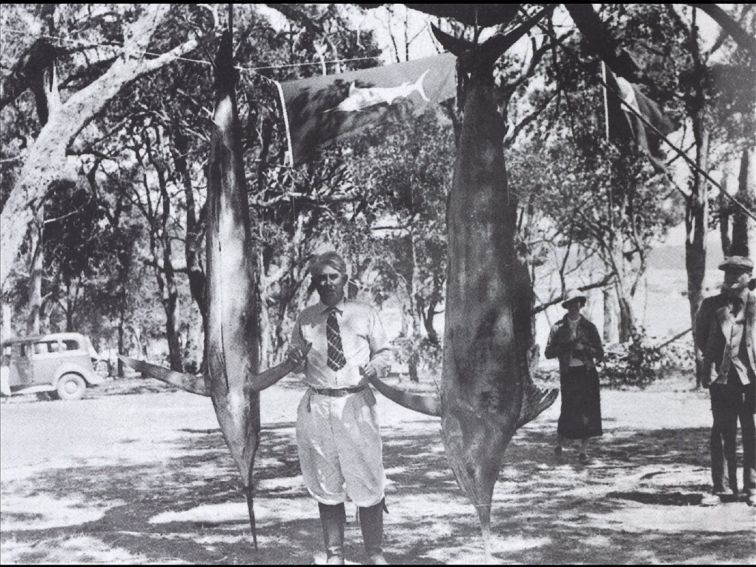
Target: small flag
column 625, row 127
column 320, row 110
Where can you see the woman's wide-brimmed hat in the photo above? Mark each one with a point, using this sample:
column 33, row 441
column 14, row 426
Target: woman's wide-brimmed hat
column 573, row 295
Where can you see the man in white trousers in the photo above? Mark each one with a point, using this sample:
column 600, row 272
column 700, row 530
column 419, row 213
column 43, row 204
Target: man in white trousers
column 339, row 344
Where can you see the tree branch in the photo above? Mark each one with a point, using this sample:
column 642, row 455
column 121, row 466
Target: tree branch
column 601, row 40
column 601, row 283
column 728, row 24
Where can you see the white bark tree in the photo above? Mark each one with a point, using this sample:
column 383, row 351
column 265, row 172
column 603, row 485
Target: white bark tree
column 46, row 161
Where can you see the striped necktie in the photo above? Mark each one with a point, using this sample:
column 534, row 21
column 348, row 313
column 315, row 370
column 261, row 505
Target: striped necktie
column 336, row 358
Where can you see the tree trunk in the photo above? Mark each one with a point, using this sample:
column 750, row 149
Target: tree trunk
column 46, row 161
column 47, row 98
column 171, row 329
column 413, row 294
column 626, row 325
column 428, row 322
column 136, row 336
column 624, row 294
column 746, row 193
column 412, row 364
column 724, row 216
column 124, row 270
column 70, row 309
column 36, row 268
column 169, row 287
column 610, row 324
column 696, row 223
column 169, row 297
column 121, row 342
column 194, row 225
column 7, row 328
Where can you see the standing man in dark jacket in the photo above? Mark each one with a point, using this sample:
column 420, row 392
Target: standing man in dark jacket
column 726, row 335
column 577, row 344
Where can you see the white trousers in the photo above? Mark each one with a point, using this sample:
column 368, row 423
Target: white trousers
column 340, row 449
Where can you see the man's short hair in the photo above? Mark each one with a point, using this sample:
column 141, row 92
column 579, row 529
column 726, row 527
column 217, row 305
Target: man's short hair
column 331, row 259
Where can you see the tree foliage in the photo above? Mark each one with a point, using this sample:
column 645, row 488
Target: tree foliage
column 123, row 191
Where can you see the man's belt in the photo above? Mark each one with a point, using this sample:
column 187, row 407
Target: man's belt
column 338, row 392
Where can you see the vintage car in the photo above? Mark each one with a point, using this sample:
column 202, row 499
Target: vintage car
column 60, row 364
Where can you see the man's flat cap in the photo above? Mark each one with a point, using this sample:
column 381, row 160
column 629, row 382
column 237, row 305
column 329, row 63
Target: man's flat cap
column 737, row 263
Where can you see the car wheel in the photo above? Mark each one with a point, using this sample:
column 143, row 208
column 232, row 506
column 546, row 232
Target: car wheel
column 71, row 387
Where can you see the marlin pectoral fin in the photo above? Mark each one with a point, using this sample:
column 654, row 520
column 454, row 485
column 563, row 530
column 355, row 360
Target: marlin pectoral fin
column 535, row 401
column 187, row 382
column 428, row 405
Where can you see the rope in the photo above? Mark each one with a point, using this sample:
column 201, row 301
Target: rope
column 254, row 70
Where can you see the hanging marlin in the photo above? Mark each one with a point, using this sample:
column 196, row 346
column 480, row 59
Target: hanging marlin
column 486, row 391
column 231, row 348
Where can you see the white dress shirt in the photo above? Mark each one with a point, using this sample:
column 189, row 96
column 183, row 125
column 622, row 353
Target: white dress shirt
column 363, row 342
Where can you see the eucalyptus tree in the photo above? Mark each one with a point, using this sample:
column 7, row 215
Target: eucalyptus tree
column 610, row 203
column 71, row 103
column 405, row 172
column 711, row 83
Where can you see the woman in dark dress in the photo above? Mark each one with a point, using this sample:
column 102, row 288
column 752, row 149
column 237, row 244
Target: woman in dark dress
column 577, row 344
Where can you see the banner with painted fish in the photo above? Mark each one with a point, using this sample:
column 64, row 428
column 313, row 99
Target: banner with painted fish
column 320, row 110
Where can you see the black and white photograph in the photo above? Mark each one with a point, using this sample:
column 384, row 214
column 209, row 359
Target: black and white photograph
column 371, row 284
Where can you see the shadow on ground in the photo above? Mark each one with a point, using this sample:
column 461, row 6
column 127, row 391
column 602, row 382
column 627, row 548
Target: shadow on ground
column 637, row 502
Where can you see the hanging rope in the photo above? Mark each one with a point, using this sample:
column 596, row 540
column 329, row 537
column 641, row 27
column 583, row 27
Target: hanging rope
column 115, row 45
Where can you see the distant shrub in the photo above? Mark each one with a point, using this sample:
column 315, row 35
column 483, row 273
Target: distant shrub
column 678, row 357
column 428, row 355
column 638, row 362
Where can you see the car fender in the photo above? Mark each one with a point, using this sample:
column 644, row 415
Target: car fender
column 91, row 378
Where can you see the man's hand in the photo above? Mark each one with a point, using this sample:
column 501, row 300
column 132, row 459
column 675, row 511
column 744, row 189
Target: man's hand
column 297, row 356
column 710, row 375
column 368, row 371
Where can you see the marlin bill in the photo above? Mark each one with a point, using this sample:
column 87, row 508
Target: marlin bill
column 321, row 110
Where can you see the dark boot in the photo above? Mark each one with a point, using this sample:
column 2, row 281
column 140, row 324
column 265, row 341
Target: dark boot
column 371, row 522
column 333, row 518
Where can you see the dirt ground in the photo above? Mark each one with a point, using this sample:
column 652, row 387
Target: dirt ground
column 137, row 473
